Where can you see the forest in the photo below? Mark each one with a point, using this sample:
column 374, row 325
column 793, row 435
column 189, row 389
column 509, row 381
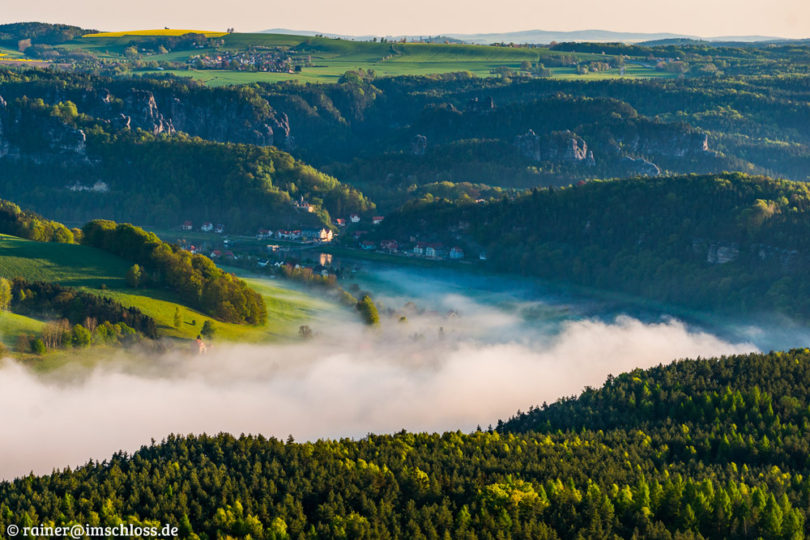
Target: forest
column 52, row 301
column 602, row 166
column 729, row 461
column 365, row 139
column 722, row 242
column 88, row 167
column 27, row 224
column 195, row 278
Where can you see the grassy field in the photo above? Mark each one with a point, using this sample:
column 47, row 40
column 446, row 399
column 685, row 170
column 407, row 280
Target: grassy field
column 331, row 58
column 12, row 325
column 160, row 32
column 287, row 309
column 67, row 264
column 90, row 269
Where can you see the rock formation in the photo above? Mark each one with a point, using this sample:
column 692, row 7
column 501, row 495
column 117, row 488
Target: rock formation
column 419, row 145
column 558, row 146
column 640, row 167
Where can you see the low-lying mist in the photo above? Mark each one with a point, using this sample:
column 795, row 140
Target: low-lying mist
column 454, row 352
column 348, row 381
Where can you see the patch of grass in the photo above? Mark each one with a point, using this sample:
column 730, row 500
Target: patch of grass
column 67, row 264
column 89, row 268
column 287, row 309
column 12, row 325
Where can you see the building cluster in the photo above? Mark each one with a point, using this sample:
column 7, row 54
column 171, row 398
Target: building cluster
column 275, row 61
column 427, row 250
column 205, row 227
column 322, row 235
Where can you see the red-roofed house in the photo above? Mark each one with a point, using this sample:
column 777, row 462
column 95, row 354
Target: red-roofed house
column 389, row 245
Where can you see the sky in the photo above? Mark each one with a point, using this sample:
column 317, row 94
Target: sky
column 705, row 18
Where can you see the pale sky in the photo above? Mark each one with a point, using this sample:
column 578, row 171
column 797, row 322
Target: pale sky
column 707, row 18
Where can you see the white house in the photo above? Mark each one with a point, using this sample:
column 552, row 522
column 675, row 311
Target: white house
column 207, row 227
column 319, row 235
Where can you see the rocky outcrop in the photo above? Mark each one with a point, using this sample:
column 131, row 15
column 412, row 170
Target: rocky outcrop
column 560, row 147
column 4, row 146
column 65, row 139
column 640, row 167
column 667, row 140
column 217, row 115
column 419, row 145
column 37, row 133
column 231, row 120
column 143, row 112
column 722, row 253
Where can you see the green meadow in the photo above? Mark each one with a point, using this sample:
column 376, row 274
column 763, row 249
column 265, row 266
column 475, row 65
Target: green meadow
column 99, row 272
column 331, row 58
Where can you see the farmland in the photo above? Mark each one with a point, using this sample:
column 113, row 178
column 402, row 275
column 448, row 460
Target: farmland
column 330, row 58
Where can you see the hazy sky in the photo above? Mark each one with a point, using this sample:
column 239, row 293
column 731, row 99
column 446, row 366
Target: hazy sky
column 787, row 18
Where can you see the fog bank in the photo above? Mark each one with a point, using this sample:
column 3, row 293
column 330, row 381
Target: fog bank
column 346, row 382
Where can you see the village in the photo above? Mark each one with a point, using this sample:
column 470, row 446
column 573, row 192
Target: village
column 313, row 252
column 270, row 60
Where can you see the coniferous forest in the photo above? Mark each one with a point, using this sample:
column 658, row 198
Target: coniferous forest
column 259, row 225
column 696, row 449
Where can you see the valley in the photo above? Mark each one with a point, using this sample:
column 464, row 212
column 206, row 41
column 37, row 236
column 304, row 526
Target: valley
column 262, row 285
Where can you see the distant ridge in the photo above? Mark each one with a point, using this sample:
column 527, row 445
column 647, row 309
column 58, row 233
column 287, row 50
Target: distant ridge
column 540, row 36
column 425, row 37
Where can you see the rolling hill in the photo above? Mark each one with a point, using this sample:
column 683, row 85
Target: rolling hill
column 722, row 242
column 101, row 273
column 701, row 448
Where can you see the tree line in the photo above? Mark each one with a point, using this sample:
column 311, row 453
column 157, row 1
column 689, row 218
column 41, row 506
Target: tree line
column 609, row 464
column 52, row 301
column 195, row 278
column 723, row 242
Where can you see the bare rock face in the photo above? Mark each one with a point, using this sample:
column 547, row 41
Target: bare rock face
column 665, row 140
column 38, row 134
column 67, row 140
column 121, row 121
column 144, row 113
column 722, row 253
column 419, row 145
column 229, row 120
column 558, row 146
column 226, row 118
column 640, row 167
column 3, row 142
